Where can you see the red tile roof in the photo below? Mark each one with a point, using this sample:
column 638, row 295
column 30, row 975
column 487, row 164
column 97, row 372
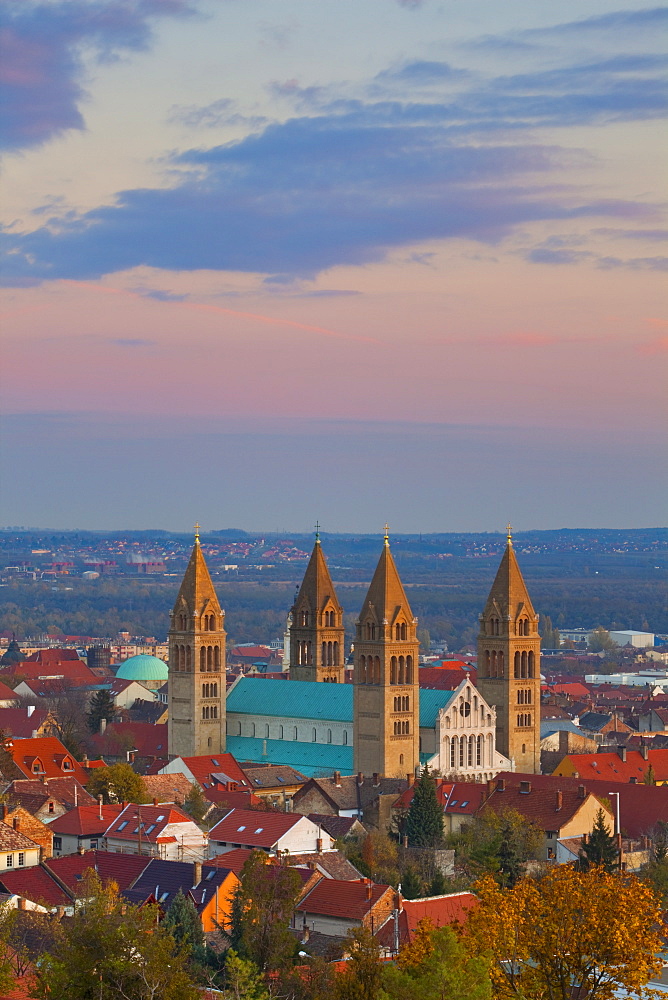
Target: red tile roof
column 85, row 821
column 611, row 767
column 6, row 693
column 440, row 910
column 349, row 899
column 123, row 869
column 576, row 690
column 23, row 988
column 456, row 797
column 257, row 829
column 546, row 808
column 441, row 679
column 21, row 724
column 64, row 789
column 234, row 860
column 240, row 799
column 154, row 819
column 34, row 884
column 149, row 740
column 45, row 755
column 203, row 767
column 49, row 656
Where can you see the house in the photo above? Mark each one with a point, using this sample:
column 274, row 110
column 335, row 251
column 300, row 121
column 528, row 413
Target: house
column 268, row 831
column 602, row 723
column 69, row 870
column 368, row 797
column 654, row 718
column 36, row 885
column 7, row 696
column 206, row 771
column 339, row 827
column 18, row 818
column 82, row 828
column 159, row 831
column 125, row 692
column 620, row 766
column 122, row 741
column 335, row 907
column 460, row 801
column 16, row 849
column 48, row 798
column 275, row 783
column 559, row 812
column 44, row 757
column 167, row 787
column 210, row 888
column 441, row 911
column 21, row 723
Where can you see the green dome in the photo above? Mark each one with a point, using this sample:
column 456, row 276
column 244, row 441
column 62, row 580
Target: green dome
column 143, row 668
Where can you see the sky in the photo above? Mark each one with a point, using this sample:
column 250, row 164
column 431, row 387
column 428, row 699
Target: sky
column 267, row 262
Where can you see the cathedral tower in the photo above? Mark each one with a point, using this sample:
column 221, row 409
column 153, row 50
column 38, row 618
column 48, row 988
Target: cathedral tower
column 196, row 665
column 386, row 692
column 509, row 664
column 317, row 646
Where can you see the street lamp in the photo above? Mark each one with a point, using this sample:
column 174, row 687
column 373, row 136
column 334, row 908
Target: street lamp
column 618, row 829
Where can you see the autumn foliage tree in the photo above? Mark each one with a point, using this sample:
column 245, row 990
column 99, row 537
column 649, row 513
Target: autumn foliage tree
column 593, row 929
column 436, row 965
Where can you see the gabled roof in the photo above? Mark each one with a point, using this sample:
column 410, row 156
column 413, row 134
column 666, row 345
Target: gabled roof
column 122, row 869
column 256, row 829
column 47, row 754
column 202, row 767
column 6, row 693
column 441, row 911
column 14, row 840
column 386, row 597
column 167, row 787
column 273, row 776
column 86, row 821
column 21, row 723
column 610, row 766
column 346, row 793
column 50, row 656
column 197, row 590
column 163, row 879
column 337, row 827
column 153, row 821
column 233, row 860
column 35, row 884
column 458, row 798
column 347, row 899
column 509, row 592
column 332, row 864
column 66, row 790
column 546, row 808
column 317, row 589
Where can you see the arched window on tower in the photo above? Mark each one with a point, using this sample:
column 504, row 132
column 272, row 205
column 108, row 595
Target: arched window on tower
column 523, row 669
column 335, row 649
column 501, row 660
column 362, row 670
column 393, row 670
column 409, row 669
column 493, row 663
column 517, row 663
column 402, row 670
column 453, row 752
column 488, row 663
column 376, row 670
column 216, row 658
column 479, row 752
column 531, row 660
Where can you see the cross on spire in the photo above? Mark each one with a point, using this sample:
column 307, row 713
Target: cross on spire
column 197, row 531
column 509, row 533
column 317, row 531
column 386, row 536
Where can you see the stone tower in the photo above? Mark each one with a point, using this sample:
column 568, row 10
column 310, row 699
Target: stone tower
column 196, row 665
column 317, row 641
column 509, row 664
column 386, row 691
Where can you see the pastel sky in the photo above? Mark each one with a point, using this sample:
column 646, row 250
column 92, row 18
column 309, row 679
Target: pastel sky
column 267, row 261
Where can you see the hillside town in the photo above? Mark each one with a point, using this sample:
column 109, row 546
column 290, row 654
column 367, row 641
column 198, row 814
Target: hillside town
column 369, row 800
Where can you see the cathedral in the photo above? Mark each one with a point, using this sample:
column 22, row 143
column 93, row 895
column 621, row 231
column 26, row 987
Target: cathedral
column 382, row 723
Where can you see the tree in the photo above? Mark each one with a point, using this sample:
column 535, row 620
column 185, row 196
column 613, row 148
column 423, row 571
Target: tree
column 196, row 805
column 424, row 638
column 600, row 641
column 363, row 976
column 117, row 783
column 438, row 885
column 262, row 907
column 595, row 930
column 649, row 777
column 424, row 823
column 411, row 883
column 242, row 979
column 101, row 707
column 496, row 843
column 600, row 847
column 110, row 950
column 437, row 965
column 549, row 636
column 183, row 923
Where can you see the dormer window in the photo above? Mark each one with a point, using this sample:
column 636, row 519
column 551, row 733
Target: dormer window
column 67, row 765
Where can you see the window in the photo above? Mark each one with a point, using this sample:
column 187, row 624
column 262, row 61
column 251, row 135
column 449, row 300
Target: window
column 122, row 825
column 57, row 843
column 10, row 861
column 22, row 859
column 94, row 844
column 52, row 807
column 329, row 735
column 314, row 734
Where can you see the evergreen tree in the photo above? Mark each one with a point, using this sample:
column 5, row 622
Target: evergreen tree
column 242, row 979
column 509, row 855
column 183, row 922
column 262, row 907
column 101, row 707
column 549, row 635
column 649, row 777
column 424, row 823
column 196, row 805
column 600, row 847
column 660, row 845
column 362, row 978
column 438, row 885
column 411, row 884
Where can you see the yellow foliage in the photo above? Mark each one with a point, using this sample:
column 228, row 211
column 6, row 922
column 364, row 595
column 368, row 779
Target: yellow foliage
column 419, row 949
column 593, row 929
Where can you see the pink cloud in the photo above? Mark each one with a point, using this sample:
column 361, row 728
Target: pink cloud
column 657, row 346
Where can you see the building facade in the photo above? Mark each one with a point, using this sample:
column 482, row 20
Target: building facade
column 196, row 665
column 466, row 729
column 317, row 650
column 509, row 664
column 386, row 700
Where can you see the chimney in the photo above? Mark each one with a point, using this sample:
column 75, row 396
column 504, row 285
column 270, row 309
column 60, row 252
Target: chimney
column 376, row 779
column 501, row 785
column 16, row 823
column 560, row 801
column 525, row 787
column 369, row 891
column 197, row 873
column 410, row 780
column 337, row 779
column 644, row 750
column 31, row 709
column 155, row 802
column 84, row 760
column 99, row 802
column 622, row 753
column 33, row 734
column 582, row 792
column 563, row 741
column 2, row 812
column 318, row 845
column 103, row 725
column 22, row 903
column 360, row 777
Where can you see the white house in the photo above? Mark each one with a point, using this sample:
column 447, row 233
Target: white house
column 466, row 737
column 268, row 831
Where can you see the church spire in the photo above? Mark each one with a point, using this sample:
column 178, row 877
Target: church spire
column 196, row 587
column 386, row 595
column 317, row 651
column 509, row 592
